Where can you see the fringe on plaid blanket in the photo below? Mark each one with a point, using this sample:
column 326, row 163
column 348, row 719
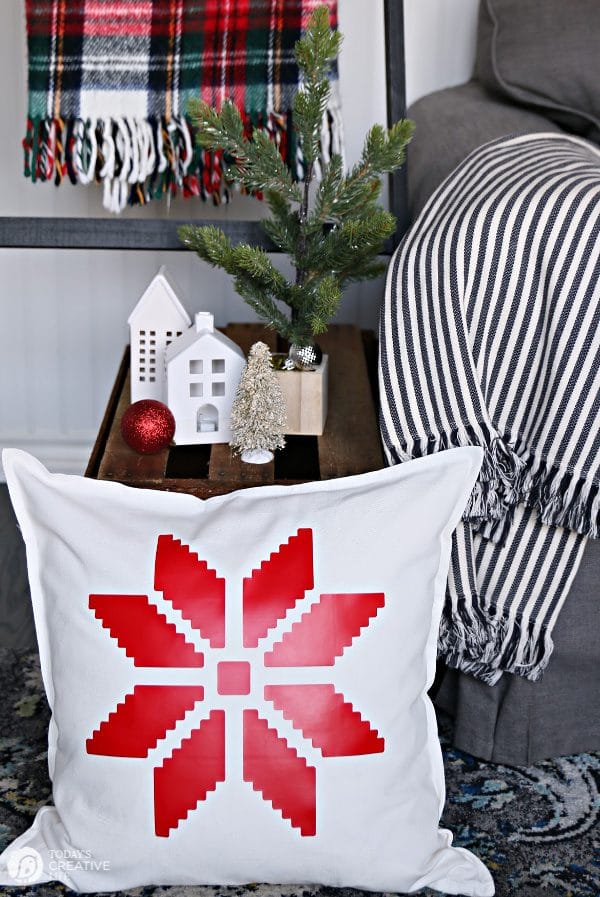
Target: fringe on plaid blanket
column 490, row 336
column 109, row 85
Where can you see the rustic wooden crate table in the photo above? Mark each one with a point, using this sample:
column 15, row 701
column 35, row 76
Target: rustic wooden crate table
column 349, row 445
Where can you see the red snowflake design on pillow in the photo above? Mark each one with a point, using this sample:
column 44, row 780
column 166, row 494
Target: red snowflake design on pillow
column 270, row 765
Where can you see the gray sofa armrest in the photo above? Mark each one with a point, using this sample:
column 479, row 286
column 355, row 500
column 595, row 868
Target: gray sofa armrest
column 452, row 123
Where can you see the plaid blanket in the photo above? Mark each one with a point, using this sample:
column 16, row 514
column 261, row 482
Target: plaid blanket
column 490, row 336
column 110, row 82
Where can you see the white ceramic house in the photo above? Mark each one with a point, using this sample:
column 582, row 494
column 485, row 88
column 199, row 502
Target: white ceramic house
column 157, row 320
column 203, row 372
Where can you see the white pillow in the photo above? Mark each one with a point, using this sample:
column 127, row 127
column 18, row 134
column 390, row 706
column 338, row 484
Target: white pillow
column 239, row 685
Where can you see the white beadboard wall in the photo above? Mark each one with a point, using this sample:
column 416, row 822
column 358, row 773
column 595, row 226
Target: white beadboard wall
column 63, row 313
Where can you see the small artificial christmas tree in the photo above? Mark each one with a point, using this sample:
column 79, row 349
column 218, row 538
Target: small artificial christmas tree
column 258, row 415
column 332, row 232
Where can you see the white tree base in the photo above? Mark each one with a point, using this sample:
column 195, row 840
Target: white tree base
column 257, row 456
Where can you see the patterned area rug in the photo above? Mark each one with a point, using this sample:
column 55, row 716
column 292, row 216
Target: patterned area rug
column 537, row 829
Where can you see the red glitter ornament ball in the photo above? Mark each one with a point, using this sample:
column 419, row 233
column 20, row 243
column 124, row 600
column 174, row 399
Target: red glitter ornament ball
column 147, row 426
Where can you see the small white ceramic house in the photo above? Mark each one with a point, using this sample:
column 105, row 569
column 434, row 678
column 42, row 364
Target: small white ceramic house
column 157, row 320
column 203, row 372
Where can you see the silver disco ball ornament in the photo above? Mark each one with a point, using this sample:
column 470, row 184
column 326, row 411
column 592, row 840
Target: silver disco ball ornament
column 306, row 357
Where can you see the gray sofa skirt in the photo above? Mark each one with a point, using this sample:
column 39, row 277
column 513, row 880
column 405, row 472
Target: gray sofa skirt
column 518, row 722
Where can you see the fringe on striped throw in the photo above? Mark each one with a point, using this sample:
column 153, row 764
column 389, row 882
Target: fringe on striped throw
column 525, row 651
column 507, row 478
column 474, row 636
column 139, row 160
column 490, row 336
column 496, row 620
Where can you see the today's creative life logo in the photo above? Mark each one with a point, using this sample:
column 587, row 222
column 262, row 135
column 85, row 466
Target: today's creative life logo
column 271, row 766
column 24, row 865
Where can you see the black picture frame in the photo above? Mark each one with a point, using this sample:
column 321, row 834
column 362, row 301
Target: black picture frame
column 161, row 234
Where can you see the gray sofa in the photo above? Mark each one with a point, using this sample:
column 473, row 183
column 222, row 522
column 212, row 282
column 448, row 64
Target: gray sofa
column 537, row 70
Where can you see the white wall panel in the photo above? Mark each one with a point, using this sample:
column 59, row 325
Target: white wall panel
column 440, row 44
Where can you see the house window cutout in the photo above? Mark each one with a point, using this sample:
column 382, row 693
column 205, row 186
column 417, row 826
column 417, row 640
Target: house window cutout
column 196, row 367
column 218, row 389
column 207, row 420
column 218, row 367
column 196, row 390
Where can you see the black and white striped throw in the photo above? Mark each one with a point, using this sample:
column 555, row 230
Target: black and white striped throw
column 490, row 336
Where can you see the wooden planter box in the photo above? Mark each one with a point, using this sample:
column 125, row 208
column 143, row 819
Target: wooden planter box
column 306, row 394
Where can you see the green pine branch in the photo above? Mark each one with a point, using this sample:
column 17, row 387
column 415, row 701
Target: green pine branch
column 314, row 53
column 326, row 302
column 256, row 278
column 264, row 306
column 355, row 237
column 256, row 164
column 383, row 152
column 334, row 234
column 283, row 228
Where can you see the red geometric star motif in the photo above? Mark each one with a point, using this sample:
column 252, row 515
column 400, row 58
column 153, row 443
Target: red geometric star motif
column 271, row 766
